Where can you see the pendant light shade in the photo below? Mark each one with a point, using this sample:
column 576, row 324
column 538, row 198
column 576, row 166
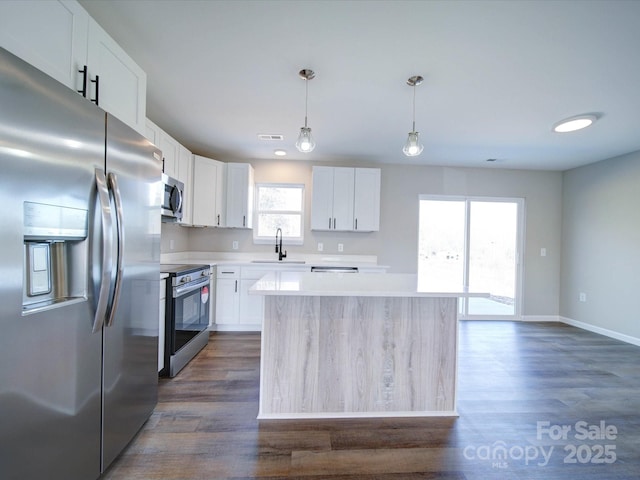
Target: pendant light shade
column 412, row 146
column 305, row 142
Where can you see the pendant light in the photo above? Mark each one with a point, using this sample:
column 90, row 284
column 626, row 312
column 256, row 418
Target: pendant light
column 305, row 142
column 413, row 147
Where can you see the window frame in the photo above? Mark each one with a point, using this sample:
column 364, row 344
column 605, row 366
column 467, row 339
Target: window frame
column 257, row 238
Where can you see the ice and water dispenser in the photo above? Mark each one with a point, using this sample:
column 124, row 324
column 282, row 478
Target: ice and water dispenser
column 55, row 256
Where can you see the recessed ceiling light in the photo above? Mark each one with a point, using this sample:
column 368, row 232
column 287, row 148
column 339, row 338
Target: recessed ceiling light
column 574, row 123
column 280, row 153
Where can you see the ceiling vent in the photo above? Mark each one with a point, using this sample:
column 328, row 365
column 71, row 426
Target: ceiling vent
column 269, row 136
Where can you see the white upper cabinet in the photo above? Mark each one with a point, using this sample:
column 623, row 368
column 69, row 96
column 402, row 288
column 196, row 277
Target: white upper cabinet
column 185, row 175
column 322, row 199
column 50, row 35
column 117, row 83
column 61, row 39
column 345, row 199
column 152, row 132
column 239, row 195
column 170, row 148
column 332, row 199
column 208, row 192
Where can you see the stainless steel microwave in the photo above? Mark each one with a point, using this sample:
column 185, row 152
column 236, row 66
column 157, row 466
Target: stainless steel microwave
column 172, row 199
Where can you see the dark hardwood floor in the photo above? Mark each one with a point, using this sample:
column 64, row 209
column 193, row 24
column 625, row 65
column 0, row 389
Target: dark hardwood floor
column 527, row 394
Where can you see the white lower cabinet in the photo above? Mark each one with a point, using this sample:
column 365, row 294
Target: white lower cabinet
column 227, row 295
column 251, row 306
column 235, row 308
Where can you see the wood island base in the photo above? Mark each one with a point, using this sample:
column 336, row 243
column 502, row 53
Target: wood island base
column 358, row 356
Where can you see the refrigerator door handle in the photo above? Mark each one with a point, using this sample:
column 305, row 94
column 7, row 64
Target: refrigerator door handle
column 117, row 200
column 107, row 246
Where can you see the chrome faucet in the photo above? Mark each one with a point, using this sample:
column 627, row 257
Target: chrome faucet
column 281, row 254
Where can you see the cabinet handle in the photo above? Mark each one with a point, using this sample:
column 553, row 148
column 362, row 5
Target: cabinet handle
column 334, row 223
column 84, row 82
column 97, row 82
column 218, row 219
column 356, row 223
column 244, row 221
column 329, row 223
column 236, row 287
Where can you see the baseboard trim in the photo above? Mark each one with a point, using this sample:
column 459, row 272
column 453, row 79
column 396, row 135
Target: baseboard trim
column 541, row 318
column 602, row 331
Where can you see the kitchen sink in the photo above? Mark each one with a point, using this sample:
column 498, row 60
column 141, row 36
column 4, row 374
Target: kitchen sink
column 279, row 261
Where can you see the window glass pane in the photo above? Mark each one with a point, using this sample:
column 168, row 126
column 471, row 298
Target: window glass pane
column 492, row 256
column 279, row 198
column 441, row 242
column 268, row 223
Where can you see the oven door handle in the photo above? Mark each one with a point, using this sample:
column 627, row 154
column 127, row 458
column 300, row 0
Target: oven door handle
column 182, row 289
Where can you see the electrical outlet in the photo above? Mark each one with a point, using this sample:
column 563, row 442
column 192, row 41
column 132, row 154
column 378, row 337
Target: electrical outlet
column 320, row 247
column 341, row 247
column 235, row 245
column 171, row 244
column 583, row 297
column 543, row 252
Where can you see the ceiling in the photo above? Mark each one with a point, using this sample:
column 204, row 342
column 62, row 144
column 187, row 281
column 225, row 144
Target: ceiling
column 498, row 75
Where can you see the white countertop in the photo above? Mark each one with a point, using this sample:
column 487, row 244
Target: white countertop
column 354, row 285
column 295, row 262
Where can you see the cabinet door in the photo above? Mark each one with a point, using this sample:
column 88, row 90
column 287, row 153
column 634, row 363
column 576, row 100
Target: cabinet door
column 366, row 204
column 123, row 84
column 50, row 35
column 343, row 190
column 227, row 301
column 205, row 179
column 251, row 306
column 185, row 175
column 221, row 195
column 239, row 195
column 152, row 132
column 170, row 151
column 322, row 198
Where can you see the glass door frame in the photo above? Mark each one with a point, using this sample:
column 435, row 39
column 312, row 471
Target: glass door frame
column 463, row 304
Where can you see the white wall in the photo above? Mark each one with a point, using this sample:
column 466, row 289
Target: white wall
column 397, row 241
column 601, row 244
column 542, row 192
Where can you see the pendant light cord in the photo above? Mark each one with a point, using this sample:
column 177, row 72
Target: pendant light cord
column 414, row 109
column 306, row 101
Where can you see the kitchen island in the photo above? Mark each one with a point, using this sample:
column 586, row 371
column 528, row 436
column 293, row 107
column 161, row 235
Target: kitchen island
column 357, row 345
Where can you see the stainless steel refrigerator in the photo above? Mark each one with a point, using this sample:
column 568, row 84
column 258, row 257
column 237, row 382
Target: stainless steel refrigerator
column 79, row 279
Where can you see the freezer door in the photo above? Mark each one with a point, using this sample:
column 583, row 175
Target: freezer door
column 51, row 142
column 131, row 332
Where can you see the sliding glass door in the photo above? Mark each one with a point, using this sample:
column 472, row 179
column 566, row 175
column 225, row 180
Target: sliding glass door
column 475, row 242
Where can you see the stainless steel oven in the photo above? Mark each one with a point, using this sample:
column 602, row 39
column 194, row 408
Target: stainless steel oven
column 187, row 314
